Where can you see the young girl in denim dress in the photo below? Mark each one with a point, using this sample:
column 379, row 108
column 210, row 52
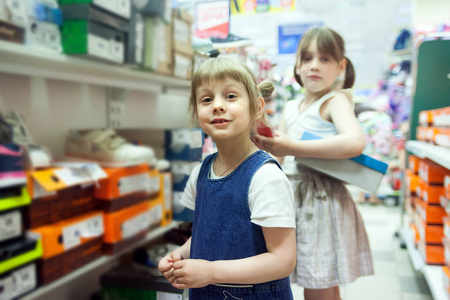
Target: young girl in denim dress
column 332, row 244
column 243, row 243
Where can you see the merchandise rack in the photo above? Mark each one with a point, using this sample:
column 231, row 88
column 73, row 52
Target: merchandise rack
column 433, row 274
column 438, row 154
column 22, row 60
column 65, row 287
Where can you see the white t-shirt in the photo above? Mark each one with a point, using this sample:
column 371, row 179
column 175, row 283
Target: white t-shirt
column 270, row 196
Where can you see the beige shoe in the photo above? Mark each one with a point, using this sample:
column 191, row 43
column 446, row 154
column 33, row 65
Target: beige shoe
column 106, row 148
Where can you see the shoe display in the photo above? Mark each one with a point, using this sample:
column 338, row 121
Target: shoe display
column 12, row 170
column 35, row 156
column 106, row 148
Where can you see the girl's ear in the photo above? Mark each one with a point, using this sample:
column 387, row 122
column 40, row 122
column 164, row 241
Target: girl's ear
column 342, row 66
column 260, row 108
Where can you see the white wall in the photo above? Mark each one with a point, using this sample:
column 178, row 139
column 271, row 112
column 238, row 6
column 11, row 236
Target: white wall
column 430, row 11
column 50, row 108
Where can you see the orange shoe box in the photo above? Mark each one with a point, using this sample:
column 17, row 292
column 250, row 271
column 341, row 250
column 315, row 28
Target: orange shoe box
column 166, row 196
column 432, row 172
column 64, row 235
column 126, row 226
column 411, row 183
column 447, row 186
column 416, row 233
column 431, row 194
column 442, row 137
column 432, row 254
column 431, row 214
column 123, row 181
column 413, row 163
column 426, row 117
column 421, row 133
column 431, row 234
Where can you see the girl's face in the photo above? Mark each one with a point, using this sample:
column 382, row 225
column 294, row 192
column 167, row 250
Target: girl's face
column 318, row 71
column 223, row 109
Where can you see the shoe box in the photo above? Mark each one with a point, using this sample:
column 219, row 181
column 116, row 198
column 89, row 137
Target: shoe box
column 432, row 173
column 127, row 226
column 447, row 186
column 18, row 260
column 180, row 212
column 446, row 280
column 413, row 163
column 430, row 194
column 432, row 254
column 14, row 197
column 120, row 8
column 431, row 214
column 127, row 282
column 54, row 200
column 411, row 183
column 158, row 46
column 69, row 244
column 124, row 186
column 11, row 225
column 11, row 32
column 184, row 144
column 181, row 171
column 154, row 138
column 362, row 171
column 90, row 30
column 165, row 195
column 19, row 281
column 182, row 44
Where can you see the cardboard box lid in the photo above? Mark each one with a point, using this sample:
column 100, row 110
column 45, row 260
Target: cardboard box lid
column 361, row 159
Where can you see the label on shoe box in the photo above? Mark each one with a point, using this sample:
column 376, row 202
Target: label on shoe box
column 168, row 296
column 153, row 185
column 10, row 225
column 91, row 227
column 141, row 222
column 119, row 7
column 18, row 282
column 77, row 173
column 135, row 183
column 167, row 192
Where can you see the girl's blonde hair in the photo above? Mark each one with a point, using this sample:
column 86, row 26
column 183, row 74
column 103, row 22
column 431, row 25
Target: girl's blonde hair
column 222, row 68
column 328, row 42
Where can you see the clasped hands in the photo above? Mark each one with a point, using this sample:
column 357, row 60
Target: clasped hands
column 185, row 273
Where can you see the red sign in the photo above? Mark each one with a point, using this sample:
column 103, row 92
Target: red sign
column 212, row 19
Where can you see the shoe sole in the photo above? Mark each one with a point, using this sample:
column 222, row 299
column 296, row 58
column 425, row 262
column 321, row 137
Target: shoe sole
column 107, row 164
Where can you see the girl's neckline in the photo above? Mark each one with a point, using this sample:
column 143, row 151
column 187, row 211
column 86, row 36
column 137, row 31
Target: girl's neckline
column 232, row 172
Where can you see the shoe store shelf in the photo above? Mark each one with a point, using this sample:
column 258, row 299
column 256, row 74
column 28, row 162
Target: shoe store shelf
column 65, row 288
column 21, row 60
column 433, row 274
column 438, row 154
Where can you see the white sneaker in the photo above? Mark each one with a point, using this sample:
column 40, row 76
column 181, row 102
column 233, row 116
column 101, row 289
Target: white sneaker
column 36, row 156
column 106, row 148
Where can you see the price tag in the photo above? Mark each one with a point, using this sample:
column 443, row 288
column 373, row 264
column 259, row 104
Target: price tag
column 135, row 225
column 196, row 139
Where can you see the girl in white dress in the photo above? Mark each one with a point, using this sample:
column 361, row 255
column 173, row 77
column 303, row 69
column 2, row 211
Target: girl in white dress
column 332, row 244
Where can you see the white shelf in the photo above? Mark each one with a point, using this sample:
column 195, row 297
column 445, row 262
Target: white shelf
column 423, row 150
column 22, row 60
column 46, row 290
column 433, row 274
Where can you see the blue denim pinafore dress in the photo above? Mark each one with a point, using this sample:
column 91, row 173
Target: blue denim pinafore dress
column 222, row 230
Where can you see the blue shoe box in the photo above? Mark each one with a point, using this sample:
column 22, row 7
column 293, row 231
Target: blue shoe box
column 362, row 171
column 180, row 212
column 184, row 144
column 181, row 170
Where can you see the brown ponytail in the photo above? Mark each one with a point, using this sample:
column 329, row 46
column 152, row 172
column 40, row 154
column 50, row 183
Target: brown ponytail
column 349, row 75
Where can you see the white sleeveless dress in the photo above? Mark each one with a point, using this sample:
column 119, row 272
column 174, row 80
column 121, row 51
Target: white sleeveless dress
column 332, row 244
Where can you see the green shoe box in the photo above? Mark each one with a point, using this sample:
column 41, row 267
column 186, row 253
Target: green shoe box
column 92, row 32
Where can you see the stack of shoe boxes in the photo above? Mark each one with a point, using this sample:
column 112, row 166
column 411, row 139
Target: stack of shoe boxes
column 182, row 44
column 130, row 200
column 434, row 126
column 34, row 22
column 97, row 29
column 411, row 198
column 157, row 35
column 430, row 213
column 19, row 249
column 64, row 214
column 184, row 148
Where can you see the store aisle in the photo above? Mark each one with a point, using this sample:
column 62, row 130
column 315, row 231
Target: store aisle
column 395, row 277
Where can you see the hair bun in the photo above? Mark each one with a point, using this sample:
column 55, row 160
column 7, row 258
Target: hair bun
column 265, row 89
